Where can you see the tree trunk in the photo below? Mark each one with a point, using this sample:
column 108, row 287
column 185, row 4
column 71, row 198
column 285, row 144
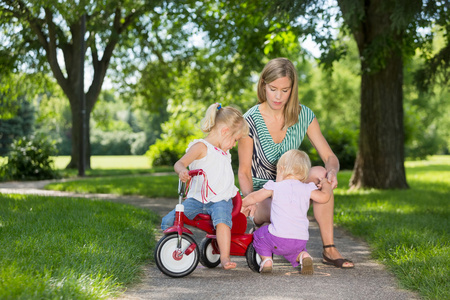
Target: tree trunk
column 75, row 108
column 380, row 161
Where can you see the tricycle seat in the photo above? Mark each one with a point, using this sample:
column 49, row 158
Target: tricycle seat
column 202, row 217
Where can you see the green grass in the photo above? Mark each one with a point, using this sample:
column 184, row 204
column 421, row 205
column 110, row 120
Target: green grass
column 65, row 248
column 408, row 230
column 106, row 166
column 110, row 166
column 150, row 186
column 109, row 162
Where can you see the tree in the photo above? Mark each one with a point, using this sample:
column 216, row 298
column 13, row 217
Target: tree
column 46, row 36
column 19, row 126
column 386, row 32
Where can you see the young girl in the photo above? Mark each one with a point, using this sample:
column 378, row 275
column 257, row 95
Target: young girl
column 287, row 234
column 225, row 126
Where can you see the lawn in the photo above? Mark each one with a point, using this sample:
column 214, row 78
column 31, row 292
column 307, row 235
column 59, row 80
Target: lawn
column 408, row 230
column 110, row 166
column 106, row 166
column 66, row 248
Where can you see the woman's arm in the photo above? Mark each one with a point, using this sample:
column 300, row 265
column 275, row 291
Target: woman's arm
column 197, row 151
column 326, row 154
column 245, row 151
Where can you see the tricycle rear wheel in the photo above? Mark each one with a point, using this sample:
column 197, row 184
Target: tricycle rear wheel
column 207, row 256
column 253, row 259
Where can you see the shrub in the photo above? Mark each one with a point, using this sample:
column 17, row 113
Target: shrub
column 343, row 142
column 30, row 159
column 178, row 133
column 19, row 125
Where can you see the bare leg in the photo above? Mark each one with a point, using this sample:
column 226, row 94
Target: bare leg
column 224, row 240
column 262, row 213
column 324, row 214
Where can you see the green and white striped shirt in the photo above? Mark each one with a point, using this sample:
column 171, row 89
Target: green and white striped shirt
column 266, row 152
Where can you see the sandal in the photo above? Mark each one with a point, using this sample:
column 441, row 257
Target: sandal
column 264, row 269
column 306, row 264
column 338, row 263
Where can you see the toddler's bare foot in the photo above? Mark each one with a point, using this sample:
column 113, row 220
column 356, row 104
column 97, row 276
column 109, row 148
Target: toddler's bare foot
column 228, row 264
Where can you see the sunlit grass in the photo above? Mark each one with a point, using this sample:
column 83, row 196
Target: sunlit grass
column 64, row 248
column 150, row 186
column 106, row 166
column 109, row 162
column 114, row 165
column 408, row 230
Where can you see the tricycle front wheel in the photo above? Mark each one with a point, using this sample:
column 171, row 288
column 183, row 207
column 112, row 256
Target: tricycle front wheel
column 173, row 261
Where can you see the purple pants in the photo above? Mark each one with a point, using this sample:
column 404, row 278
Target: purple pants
column 267, row 244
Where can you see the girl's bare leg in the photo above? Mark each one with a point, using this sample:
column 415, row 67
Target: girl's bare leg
column 224, row 240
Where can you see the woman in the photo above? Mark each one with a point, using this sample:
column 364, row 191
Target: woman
column 278, row 124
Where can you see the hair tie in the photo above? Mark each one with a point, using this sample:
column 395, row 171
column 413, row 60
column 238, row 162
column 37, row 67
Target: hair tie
column 220, row 106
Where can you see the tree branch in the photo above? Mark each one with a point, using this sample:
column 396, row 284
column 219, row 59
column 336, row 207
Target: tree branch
column 100, row 66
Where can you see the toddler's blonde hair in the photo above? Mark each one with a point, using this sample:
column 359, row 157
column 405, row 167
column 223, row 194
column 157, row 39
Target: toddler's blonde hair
column 295, row 163
column 230, row 116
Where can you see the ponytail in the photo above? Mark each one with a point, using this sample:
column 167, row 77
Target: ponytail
column 228, row 115
column 210, row 118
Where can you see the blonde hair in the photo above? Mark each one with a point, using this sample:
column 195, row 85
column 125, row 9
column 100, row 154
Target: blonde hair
column 295, row 163
column 230, row 116
column 275, row 69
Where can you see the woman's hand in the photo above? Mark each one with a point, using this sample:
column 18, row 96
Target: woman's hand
column 326, row 154
column 248, row 210
column 332, row 178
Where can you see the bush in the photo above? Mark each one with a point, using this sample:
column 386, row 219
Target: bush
column 343, row 142
column 30, row 159
column 19, row 125
column 173, row 142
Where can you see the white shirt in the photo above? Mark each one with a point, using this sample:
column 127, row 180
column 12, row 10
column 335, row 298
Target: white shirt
column 219, row 173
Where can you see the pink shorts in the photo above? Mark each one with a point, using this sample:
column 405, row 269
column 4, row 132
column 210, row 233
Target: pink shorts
column 267, row 244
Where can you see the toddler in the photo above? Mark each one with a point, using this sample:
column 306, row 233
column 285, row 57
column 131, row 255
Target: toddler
column 225, row 126
column 287, row 234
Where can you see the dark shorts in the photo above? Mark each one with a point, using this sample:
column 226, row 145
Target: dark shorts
column 267, row 244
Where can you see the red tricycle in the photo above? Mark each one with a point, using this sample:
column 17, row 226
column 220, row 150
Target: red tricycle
column 177, row 253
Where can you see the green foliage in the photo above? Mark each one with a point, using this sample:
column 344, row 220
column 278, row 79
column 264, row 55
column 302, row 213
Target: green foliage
column 427, row 114
column 30, row 159
column 343, row 142
column 21, row 124
column 65, row 248
column 177, row 134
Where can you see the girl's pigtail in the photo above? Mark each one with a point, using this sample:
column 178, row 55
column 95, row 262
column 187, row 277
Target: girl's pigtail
column 210, row 117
